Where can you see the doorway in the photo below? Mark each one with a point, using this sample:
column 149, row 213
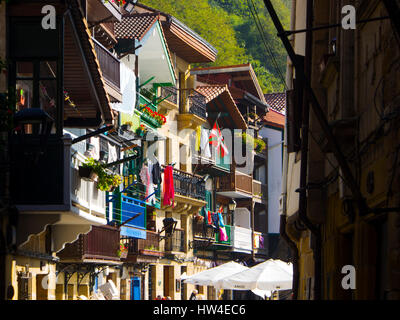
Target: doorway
column 136, row 288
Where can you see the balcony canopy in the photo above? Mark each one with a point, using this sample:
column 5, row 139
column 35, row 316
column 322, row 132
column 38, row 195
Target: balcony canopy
column 219, row 100
column 154, row 56
column 241, row 77
column 83, row 81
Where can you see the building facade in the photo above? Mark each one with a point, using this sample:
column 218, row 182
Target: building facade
column 353, row 75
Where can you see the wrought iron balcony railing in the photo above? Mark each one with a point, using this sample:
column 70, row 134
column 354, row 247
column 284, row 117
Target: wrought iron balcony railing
column 189, row 185
column 202, row 231
column 170, row 94
column 176, row 243
column 194, row 102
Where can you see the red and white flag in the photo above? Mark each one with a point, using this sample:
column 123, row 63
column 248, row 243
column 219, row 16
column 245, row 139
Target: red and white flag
column 217, row 140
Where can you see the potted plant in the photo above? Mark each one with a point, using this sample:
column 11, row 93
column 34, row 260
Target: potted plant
column 122, row 252
column 88, row 170
column 105, row 181
column 141, row 131
column 260, row 145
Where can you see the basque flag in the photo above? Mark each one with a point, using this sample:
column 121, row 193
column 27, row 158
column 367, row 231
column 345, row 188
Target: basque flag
column 217, row 140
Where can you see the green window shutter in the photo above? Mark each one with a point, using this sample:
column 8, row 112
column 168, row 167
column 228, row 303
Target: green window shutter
column 208, row 200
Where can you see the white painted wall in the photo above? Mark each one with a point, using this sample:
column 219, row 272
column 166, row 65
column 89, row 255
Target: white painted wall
column 275, row 138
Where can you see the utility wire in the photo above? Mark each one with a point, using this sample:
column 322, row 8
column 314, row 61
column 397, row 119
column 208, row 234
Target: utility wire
column 270, row 52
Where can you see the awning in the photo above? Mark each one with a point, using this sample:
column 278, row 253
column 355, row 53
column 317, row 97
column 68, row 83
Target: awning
column 220, row 101
column 270, row 275
column 211, row 276
column 83, row 82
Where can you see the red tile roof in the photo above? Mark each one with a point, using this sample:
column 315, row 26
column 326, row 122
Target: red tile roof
column 275, row 119
column 277, row 101
column 212, row 91
column 135, row 26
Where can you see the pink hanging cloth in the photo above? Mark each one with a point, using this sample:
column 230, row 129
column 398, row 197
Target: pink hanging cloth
column 222, row 234
column 169, row 191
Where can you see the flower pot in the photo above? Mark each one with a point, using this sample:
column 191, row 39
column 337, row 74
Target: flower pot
column 87, row 173
column 124, row 254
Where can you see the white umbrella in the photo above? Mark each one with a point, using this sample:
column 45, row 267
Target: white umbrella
column 211, row 276
column 183, row 276
column 262, row 293
column 269, row 275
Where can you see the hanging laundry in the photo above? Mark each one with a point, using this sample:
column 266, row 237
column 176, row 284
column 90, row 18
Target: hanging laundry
column 168, row 188
column 145, row 177
column 223, row 236
column 150, row 191
column 156, row 172
column 204, row 143
column 198, row 139
column 209, row 218
column 261, row 242
column 220, row 219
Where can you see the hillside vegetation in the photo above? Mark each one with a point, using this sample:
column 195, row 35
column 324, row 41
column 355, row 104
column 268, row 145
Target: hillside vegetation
column 230, row 26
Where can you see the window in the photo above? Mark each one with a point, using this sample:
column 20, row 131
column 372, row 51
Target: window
column 33, row 54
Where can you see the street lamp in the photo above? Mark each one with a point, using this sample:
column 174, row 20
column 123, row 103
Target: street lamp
column 232, row 207
column 130, row 5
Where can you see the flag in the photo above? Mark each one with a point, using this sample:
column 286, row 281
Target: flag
column 217, row 140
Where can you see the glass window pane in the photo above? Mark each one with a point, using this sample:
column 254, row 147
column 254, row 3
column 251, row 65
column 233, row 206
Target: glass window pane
column 48, row 69
column 24, row 92
column 24, row 69
column 48, row 96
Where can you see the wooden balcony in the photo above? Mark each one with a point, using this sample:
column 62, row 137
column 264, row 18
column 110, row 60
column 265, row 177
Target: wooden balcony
column 259, row 191
column 235, row 185
column 143, row 250
column 101, row 243
column 110, row 69
column 176, row 243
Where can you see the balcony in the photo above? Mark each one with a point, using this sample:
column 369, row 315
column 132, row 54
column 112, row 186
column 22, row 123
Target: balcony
column 259, row 191
column 190, row 192
column 110, row 69
column 49, row 189
column 241, row 239
column 101, row 243
column 188, row 185
column 228, row 242
column 193, row 109
column 202, row 231
column 235, row 185
column 143, row 250
column 176, row 243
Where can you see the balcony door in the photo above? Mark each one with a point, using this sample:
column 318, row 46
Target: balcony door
column 136, row 288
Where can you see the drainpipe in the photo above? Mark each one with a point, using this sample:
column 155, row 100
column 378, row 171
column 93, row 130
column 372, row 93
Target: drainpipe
column 304, row 160
column 282, row 229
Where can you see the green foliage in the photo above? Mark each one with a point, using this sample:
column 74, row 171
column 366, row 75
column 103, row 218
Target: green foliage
column 105, row 180
column 230, row 27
